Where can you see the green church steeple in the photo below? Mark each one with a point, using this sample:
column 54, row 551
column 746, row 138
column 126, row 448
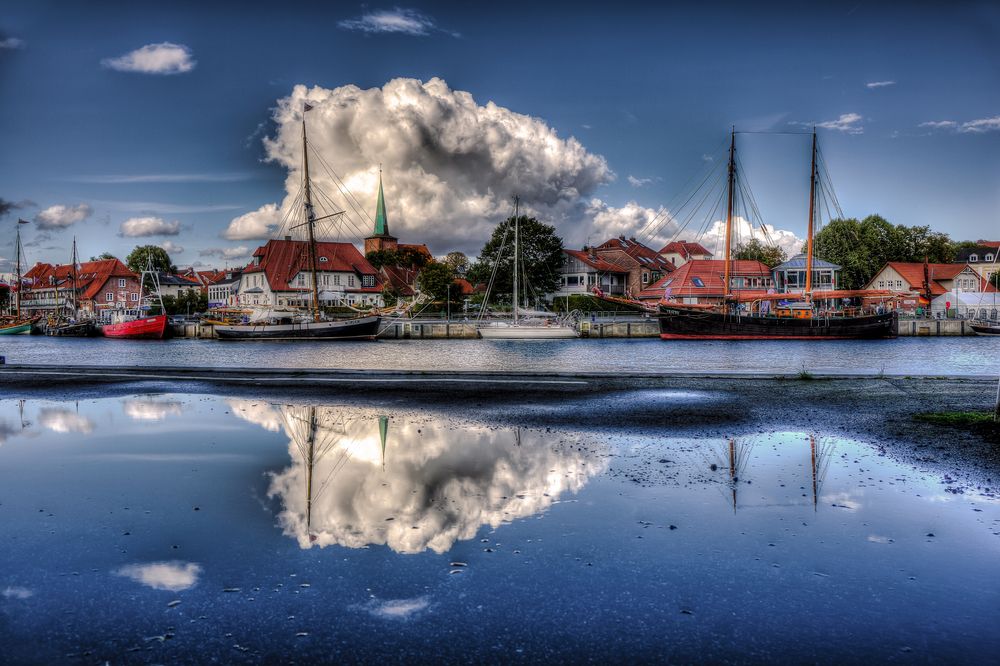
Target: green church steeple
column 381, row 221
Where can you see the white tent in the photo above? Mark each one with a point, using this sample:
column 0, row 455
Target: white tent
column 968, row 304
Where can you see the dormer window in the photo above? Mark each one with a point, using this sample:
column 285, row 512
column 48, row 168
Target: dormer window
column 989, row 257
column 973, row 258
column 323, row 260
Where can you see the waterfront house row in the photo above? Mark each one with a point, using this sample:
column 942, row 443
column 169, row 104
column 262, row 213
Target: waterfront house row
column 279, row 275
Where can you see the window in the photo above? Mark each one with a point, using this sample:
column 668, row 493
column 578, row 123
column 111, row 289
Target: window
column 121, row 283
column 973, row 258
column 322, row 260
column 645, row 277
column 696, row 281
column 336, row 279
column 899, row 284
column 367, row 280
column 300, row 279
column 350, row 280
column 326, row 280
column 989, row 257
column 110, row 297
column 133, row 296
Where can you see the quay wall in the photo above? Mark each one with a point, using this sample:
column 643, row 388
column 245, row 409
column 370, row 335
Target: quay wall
column 638, row 327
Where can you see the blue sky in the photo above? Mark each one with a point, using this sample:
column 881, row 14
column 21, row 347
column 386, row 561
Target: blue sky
column 652, row 91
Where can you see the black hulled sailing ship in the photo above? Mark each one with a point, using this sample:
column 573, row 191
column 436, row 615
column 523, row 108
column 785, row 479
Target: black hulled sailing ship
column 792, row 317
column 285, row 325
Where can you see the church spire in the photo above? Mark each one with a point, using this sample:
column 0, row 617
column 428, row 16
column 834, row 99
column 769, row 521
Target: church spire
column 381, row 221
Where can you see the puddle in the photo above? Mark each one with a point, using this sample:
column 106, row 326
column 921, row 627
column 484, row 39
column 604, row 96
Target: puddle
column 181, row 527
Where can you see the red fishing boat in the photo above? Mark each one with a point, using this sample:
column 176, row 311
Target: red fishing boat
column 148, row 328
column 138, row 324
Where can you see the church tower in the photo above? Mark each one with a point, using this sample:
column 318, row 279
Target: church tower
column 380, row 238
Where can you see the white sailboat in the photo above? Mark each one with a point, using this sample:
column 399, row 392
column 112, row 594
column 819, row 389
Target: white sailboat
column 525, row 324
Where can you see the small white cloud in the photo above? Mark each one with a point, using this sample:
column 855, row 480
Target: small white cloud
column 396, row 609
column 981, row 125
column 171, row 576
column 978, row 126
column 11, row 43
column 879, row 84
column 172, row 248
column 227, row 253
column 163, row 58
column 256, row 225
column 849, row 123
column 399, row 20
column 17, row 593
column 639, row 182
column 138, row 227
column 940, row 124
column 60, row 217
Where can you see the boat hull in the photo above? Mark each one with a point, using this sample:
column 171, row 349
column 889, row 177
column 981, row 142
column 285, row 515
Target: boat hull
column 511, row 332
column 986, row 329
column 363, row 328
column 83, row 329
column 23, row 328
column 147, row 328
column 678, row 323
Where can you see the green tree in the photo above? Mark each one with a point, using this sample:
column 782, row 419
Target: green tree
column 412, row 258
column 541, row 257
column 102, row 256
column 434, row 279
column 136, row 260
column 862, row 247
column 380, row 258
column 755, row 250
column 458, row 262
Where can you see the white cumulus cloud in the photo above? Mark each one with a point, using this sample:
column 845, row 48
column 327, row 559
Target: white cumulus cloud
column 163, row 58
column 714, row 237
column 940, row 124
column 639, row 182
column 849, row 123
column 172, row 248
column 256, row 225
column 227, row 253
column 60, row 216
column 450, row 164
column 981, row 125
column 137, row 227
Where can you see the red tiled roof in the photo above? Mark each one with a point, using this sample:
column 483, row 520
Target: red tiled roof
column 913, row 274
column 91, row 275
column 641, row 255
column 986, row 243
column 595, row 262
column 465, row 287
column 282, row 260
column 710, row 272
column 684, row 248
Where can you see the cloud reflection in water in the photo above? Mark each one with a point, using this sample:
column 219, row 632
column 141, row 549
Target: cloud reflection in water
column 431, row 485
column 172, row 576
column 64, row 420
column 151, row 410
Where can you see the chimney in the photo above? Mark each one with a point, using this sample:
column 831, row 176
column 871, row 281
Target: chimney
column 288, row 238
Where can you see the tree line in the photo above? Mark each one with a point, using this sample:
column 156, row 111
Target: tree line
column 862, row 247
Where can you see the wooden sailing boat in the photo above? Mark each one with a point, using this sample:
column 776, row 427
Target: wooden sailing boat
column 73, row 325
column 17, row 324
column 525, row 324
column 794, row 321
column 293, row 326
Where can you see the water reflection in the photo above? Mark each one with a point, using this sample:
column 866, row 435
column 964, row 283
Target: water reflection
column 147, row 409
column 171, row 576
column 64, row 420
column 737, row 460
column 361, row 479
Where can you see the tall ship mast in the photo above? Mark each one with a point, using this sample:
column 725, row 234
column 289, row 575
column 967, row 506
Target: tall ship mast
column 312, row 325
column 794, row 316
column 16, row 324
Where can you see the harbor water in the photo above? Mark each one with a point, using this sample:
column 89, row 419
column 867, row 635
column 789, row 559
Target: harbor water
column 903, row 356
column 171, row 528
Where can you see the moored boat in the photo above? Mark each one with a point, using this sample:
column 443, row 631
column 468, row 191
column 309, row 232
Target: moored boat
column 794, row 317
column 16, row 324
column 986, row 327
column 138, row 324
column 146, row 328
